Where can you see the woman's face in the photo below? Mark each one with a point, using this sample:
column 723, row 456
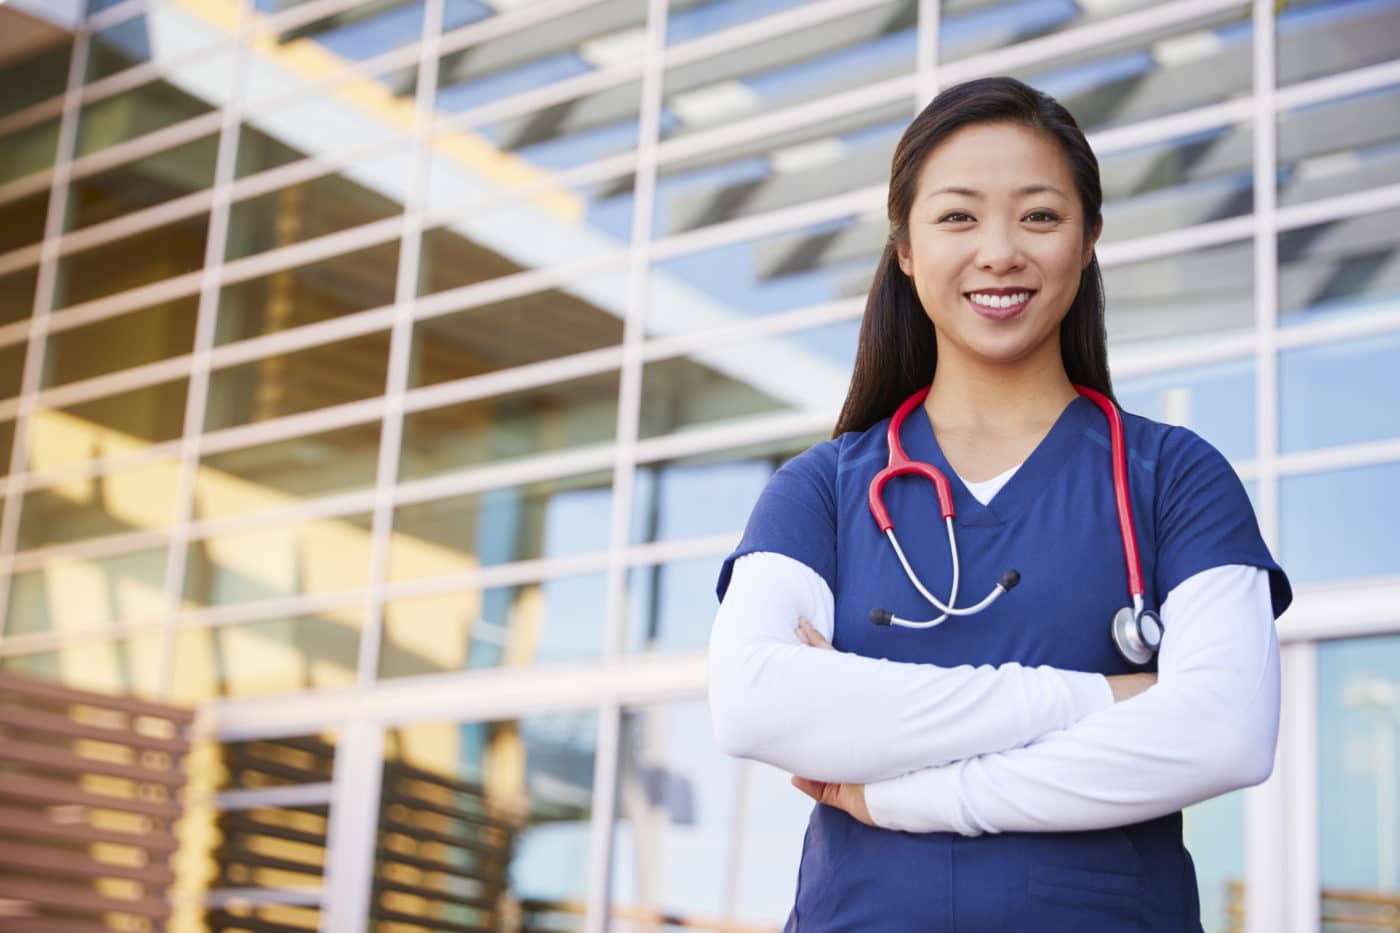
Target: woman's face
column 997, row 242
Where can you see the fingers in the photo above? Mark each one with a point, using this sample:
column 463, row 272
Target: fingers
column 807, row 633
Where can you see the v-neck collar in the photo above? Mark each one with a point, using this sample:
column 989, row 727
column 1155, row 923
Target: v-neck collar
column 1049, row 456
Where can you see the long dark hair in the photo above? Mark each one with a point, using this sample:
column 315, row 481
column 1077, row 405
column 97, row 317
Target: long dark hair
column 897, row 352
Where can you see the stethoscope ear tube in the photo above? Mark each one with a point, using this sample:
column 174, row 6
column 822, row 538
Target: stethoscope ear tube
column 1137, row 633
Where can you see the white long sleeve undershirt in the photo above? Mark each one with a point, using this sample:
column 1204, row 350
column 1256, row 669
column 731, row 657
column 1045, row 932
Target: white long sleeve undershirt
column 1208, row 726
column 835, row 716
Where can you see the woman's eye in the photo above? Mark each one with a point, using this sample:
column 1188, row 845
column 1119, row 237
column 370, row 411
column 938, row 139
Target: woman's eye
column 1042, row 217
column 955, row 217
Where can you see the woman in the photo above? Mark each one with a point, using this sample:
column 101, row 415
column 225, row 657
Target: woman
column 1008, row 770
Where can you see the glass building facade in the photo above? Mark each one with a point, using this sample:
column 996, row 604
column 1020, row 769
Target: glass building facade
column 387, row 378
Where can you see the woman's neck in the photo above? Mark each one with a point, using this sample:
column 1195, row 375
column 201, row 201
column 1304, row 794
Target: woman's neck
column 971, row 395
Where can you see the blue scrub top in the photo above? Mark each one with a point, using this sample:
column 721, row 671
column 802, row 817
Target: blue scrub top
column 1056, row 522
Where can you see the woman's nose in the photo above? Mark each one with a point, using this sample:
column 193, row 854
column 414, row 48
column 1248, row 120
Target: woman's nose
column 998, row 250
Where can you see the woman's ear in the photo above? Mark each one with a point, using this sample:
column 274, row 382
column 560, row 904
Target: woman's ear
column 906, row 265
column 1089, row 244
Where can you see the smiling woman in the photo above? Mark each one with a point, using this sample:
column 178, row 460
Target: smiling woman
column 1042, row 726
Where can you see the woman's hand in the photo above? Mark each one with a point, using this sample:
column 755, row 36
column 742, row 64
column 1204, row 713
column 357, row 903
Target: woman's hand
column 1127, row 686
column 807, row 634
column 848, row 797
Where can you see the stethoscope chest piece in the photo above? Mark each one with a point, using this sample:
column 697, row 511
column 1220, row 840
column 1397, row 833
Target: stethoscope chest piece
column 1137, row 634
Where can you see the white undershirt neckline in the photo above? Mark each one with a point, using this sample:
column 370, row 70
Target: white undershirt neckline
column 986, row 490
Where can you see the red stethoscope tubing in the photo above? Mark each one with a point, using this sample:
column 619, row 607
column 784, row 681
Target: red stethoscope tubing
column 900, row 464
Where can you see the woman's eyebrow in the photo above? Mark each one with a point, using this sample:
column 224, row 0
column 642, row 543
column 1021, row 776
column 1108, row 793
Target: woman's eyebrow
column 1020, row 192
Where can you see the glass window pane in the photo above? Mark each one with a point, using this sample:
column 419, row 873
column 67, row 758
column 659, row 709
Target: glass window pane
column 292, row 383
column 1358, row 727
column 17, row 294
column 1312, row 381
column 1339, row 267
column 12, row 368
column 317, row 291
column 688, row 19
column 547, row 419
column 134, row 260
column 257, row 849
column 314, row 555
column 1322, row 37
column 1339, row 525
column 150, row 107
column 555, row 518
column 160, row 33
column 276, row 475
column 813, row 265
column 1214, row 835
column 518, row 232
column 364, row 30
column 577, row 43
column 1195, row 179
column 852, row 51
column 141, row 184
column 1176, row 68
column 7, row 445
column 545, row 622
column 124, row 666
column 1339, row 147
column 116, row 343
column 108, row 426
column 361, row 194
column 1216, row 401
column 258, row 152
column 83, row 594
column 501, row 809
column 1187, row 297
column 686, row 813
column 36, row 74
column 518, row 331
column 806, row 371
column 139, row 499
column 28, row 150
column 829, row 157
column 970, row 27
column 707, row 494
column 271, row 657
column 24, row 221
column 321, row 104
column 671, row 607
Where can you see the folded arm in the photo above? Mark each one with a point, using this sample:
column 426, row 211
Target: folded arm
column 1209, row 726
column 832, row 716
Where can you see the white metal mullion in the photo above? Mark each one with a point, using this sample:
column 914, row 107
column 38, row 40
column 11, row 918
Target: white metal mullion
column 34, row 113
column 928, row 42
column 400, row 347
column 1343, row 84
column 197, row 392
column 179, row 286
column 1267, row 807
column 1301, row 892
column 43, row 302
column 18, row 259
column 353, row 826
column 355, row 811
column 607, row 752
column 93, row 469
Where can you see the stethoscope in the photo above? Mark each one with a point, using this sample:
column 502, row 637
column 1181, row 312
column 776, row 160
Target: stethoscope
column 1137, row 631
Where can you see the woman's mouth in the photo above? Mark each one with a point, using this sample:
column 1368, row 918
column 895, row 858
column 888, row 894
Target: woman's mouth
column 1000, row 304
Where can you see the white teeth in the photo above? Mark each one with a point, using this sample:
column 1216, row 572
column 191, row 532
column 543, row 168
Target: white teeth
column 999, row 301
